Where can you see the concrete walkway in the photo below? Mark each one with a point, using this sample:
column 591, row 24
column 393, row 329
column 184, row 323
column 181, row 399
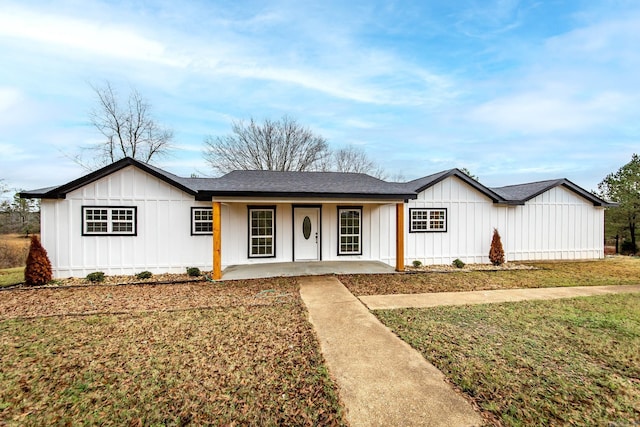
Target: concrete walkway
column 314, row 268
column 381, row 379
column 376, row 302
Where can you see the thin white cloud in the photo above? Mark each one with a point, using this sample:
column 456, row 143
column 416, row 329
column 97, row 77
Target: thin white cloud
column 369, row 76
column 9, row 97
column 68, row 35
column 550, row 111
column 12, row 151
column 489, row 18
column 576, row 83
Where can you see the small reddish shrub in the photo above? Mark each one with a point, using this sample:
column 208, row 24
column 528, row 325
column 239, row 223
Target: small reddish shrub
column 38, row 269
column 496, row 253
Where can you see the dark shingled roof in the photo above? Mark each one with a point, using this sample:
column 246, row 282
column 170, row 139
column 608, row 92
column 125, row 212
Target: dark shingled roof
column 525, row 191
column 314, row 184
column 333, row 184
column 251, row 184
column 522, row 193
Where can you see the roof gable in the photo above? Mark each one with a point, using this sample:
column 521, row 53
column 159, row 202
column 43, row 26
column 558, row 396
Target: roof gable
column 525, row 192
column 60, row 192
column 421, row 184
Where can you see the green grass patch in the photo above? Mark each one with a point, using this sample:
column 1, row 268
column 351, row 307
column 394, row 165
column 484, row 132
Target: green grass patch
column 247, row 365
column 562, row 362
column 11, row 276
column 609, row 271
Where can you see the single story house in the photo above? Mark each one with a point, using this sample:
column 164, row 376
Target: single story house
column 130, row 216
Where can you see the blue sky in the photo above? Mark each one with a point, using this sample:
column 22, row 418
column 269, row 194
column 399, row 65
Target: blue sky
column 515, row 91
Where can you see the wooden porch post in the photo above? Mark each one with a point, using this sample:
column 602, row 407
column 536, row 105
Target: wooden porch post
column 217, row 242
column 399, row 236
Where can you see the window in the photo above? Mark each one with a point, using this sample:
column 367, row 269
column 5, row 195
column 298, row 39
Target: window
column 349, row 231
column 262, row 232
column 426, row 220
column 108, row 221
column 201, row 221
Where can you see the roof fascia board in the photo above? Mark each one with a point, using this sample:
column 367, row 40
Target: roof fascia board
column 305, row 200
column 597, row 201
column 208, row 195
column 33, row 195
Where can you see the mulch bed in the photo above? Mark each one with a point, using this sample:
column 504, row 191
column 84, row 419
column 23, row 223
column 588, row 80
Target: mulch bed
column 467, row 267
column 83, row 298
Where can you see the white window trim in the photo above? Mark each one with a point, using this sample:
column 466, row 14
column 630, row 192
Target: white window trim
column 109, row 221
column 340, row 235
column 429, row 229
column 194, row 221
column 272, row 236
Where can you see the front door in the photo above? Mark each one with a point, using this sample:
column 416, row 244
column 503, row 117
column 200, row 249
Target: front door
column 306, row 234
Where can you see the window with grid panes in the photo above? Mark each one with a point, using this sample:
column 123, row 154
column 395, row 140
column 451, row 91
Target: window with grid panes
column 349, row 231
column 104, row 220
column 425, row 220
column 261, row 232
column 201, row 221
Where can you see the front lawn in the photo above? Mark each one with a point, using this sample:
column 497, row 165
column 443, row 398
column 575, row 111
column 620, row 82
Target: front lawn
column 563, row 362
column 610, row 271
column 11, row 276
column 227, row 353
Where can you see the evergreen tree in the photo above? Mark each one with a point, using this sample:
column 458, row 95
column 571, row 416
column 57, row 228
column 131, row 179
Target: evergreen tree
column 496, row 253
column 38, row 269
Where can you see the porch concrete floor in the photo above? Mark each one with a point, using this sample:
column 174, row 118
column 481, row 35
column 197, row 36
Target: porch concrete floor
column 315, row 268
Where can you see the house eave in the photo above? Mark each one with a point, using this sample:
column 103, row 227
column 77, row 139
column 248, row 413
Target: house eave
column 209, row 195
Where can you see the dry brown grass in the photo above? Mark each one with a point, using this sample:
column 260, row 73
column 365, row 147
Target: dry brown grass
column 14, row 249
column 237, row 353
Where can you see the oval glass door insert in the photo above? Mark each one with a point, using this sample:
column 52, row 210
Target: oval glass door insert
column 306, row 227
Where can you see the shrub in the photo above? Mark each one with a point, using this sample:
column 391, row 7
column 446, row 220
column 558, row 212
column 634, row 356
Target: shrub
column 38, row 269
column 95, row 277
column 458, row 263
column 496, row 253
column 417, row 264
column 627, row 248
column 144, row 275
column 193, row 271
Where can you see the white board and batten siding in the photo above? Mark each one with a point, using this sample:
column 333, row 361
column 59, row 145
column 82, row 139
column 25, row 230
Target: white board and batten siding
column 558, row 224
column 163, row 242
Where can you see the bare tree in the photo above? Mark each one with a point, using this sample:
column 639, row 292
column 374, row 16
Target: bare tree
column 128, row 127
column 354, row 159
column 281, row 145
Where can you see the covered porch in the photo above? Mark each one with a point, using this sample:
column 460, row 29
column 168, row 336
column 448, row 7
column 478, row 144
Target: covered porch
column 315, row 268
column 375, row 227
